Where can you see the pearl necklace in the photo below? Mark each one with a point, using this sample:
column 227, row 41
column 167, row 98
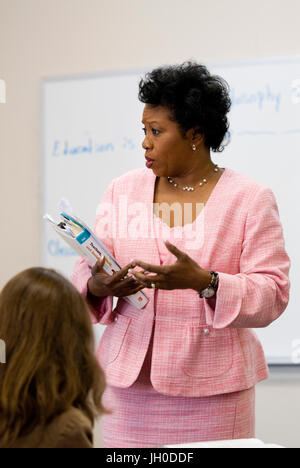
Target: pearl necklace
column 191, row 189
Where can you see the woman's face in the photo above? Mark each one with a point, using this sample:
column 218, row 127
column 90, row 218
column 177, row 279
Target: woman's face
column 164, row 143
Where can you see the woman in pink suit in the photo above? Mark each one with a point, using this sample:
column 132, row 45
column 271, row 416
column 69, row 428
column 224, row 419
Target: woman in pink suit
column 184, row 368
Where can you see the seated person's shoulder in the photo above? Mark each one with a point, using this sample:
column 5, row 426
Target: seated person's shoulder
column 71, row 429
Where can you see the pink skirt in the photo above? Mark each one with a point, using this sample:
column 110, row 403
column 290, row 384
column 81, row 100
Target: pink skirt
column 141, row 417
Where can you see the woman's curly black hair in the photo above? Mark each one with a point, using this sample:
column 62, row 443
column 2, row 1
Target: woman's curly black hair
column 195, row 98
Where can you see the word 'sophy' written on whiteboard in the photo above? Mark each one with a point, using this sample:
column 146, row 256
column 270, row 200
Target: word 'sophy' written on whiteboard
column 92, row 132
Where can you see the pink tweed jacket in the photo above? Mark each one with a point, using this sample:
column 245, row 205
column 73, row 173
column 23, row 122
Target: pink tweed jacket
column 201, row 347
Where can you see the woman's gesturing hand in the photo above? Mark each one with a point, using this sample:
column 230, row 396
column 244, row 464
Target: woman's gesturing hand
column 119, row 284
column 185, row 273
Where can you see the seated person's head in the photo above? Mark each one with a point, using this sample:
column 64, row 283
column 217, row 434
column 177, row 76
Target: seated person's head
column 50, row 362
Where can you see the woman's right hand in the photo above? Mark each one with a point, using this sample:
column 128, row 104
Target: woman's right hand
column 102, row 285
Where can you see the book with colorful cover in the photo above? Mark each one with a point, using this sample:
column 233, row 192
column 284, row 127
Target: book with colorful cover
column 85, row 243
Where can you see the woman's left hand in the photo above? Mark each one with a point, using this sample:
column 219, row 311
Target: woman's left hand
column 185, row 273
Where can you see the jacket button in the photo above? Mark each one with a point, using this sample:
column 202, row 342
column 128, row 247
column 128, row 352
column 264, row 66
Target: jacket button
column 206, row 331
column 116, row 319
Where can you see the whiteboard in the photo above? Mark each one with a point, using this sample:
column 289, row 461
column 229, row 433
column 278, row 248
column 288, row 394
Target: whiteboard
column 92, row 132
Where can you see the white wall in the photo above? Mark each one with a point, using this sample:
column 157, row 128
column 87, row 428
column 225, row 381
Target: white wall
column 42, row 38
